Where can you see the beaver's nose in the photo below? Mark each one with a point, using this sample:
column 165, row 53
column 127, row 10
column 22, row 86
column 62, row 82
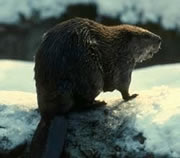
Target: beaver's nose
column 159, row 39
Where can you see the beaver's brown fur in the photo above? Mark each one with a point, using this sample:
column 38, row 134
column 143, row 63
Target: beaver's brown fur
column 80, row 58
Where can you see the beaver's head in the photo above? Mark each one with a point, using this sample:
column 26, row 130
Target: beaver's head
column 142, row 44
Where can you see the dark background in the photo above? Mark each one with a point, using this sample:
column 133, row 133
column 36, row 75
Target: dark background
column 21, row 41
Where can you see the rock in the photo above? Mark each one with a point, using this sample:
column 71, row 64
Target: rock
column 140, row 128
column 92, row 133
column 104, row 132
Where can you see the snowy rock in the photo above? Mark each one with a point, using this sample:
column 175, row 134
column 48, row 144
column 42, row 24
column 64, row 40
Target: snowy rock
column 147, row 126
column 18, row 120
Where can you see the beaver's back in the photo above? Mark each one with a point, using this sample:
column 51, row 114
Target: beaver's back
column 68, row 62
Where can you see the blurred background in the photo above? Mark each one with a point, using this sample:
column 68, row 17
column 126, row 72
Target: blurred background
column 23, row 22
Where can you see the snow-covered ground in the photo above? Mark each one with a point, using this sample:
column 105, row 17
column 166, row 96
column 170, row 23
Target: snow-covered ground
column 146, row 78
column 17, row 76
column 158, row 103
column 132, row 11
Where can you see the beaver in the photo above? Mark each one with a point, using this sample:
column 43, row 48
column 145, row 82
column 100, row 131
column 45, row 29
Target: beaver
column 79, row 58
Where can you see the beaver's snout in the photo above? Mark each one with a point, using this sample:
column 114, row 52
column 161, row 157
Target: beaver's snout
column 156, row 39
column 156, row 42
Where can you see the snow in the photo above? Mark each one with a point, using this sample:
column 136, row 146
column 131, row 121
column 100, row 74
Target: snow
column 19, row 118
column 132, row 11
column 155, row 76
column 13, row 72
column 43, row 8
column 157, row 116
column 158, row 119
column 16, row 75
column 157, row 106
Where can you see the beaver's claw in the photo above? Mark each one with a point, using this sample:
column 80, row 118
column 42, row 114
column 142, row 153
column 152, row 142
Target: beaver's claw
column 131, row 97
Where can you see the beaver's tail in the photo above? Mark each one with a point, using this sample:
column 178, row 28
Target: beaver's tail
column 49, row 137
